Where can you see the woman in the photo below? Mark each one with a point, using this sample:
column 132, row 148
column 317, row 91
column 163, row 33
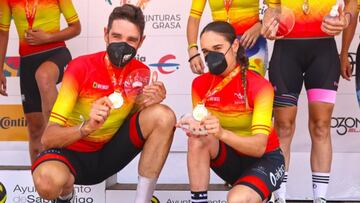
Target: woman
column 244, row 16
column 43, row 56
column 240, row 145
column 308, row 54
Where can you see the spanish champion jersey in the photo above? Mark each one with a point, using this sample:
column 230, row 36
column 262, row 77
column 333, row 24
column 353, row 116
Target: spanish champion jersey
column 47, row 18
column 309, row 25
column 229, row 105
column 85, row 80
column 242, row 14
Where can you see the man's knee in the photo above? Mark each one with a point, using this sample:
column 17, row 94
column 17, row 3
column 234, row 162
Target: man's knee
column 47, row 183
column 163, row 116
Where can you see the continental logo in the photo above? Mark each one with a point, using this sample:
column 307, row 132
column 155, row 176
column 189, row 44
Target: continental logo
column 13, row 125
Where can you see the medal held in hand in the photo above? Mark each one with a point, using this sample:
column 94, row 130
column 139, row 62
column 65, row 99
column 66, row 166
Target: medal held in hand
column 116, row 99
column 199, row 112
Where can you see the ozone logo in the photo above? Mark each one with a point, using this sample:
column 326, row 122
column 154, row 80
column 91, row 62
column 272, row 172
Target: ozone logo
column 164, row 67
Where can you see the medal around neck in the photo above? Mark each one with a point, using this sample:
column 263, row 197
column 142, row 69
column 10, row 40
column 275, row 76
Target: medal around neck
column 306, row 8
column 116, row 99
column 200, row 112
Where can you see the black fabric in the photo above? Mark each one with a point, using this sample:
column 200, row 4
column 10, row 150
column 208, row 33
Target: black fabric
column 30, row 94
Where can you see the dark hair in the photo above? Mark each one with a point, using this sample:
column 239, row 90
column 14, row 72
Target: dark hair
column 130, row 13
column 228, row 32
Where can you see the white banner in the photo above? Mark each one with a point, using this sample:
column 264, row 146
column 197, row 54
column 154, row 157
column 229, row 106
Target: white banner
column 20, row 189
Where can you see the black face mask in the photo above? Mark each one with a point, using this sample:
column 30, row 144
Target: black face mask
column 120, row 53
column 216, row 62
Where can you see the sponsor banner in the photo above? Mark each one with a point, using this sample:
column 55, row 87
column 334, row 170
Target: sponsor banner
column 20, row 189
column 171, row 63
column 13, row 126
column 116, row 196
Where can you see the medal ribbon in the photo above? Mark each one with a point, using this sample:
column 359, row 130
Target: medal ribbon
column 31, row 12
column 222, row 84
column 227, row 5
column 117, row 83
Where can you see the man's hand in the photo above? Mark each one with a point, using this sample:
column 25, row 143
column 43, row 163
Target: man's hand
column 99, row 112
column 37, row 37
column 152, row 94
column 3, row 84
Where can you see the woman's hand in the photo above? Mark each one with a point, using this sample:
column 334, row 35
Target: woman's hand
column 212, row 126
column 250, row 36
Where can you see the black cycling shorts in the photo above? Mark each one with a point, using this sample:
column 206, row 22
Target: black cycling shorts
column 264, row 175
column 30, row 94
column 314, row 62
column 91, row 168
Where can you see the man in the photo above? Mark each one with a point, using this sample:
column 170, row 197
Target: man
column 43, row 56
column 88, row 138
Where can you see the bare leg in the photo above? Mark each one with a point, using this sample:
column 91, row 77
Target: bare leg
column 36, row 126
column 52, row 179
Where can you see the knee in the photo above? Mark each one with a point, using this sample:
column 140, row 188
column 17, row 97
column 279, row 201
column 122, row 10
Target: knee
column 234, row 197
column 284, row 128
column 46, row 183
column 195, row 145
column 43, row 79
column 320, row 130
column 163, row 116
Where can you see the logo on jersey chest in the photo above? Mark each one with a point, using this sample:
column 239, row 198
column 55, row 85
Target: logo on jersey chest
column 239, row 98
column 97, row 85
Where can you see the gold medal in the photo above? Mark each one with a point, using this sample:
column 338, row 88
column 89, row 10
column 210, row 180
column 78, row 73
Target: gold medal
column 116, row 99
column 199, row 112
column 306, row 7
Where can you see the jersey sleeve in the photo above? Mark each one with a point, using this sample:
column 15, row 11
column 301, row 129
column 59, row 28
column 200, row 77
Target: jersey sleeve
column 68, row 94
column 68, row 9
column 358, row 6
column 5, row 15
column 273, row 3
column 197, row 8
column 262, row 96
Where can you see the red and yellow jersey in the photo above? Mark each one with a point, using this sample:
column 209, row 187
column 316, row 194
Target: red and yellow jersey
column 47, row 18
column 309, row 25
column 229, row 105
column 241, row 14
column 85, row 80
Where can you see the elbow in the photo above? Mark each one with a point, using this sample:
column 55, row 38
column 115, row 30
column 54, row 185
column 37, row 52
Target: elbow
column 260, row 151
column 78, row 29
column 45, row 142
